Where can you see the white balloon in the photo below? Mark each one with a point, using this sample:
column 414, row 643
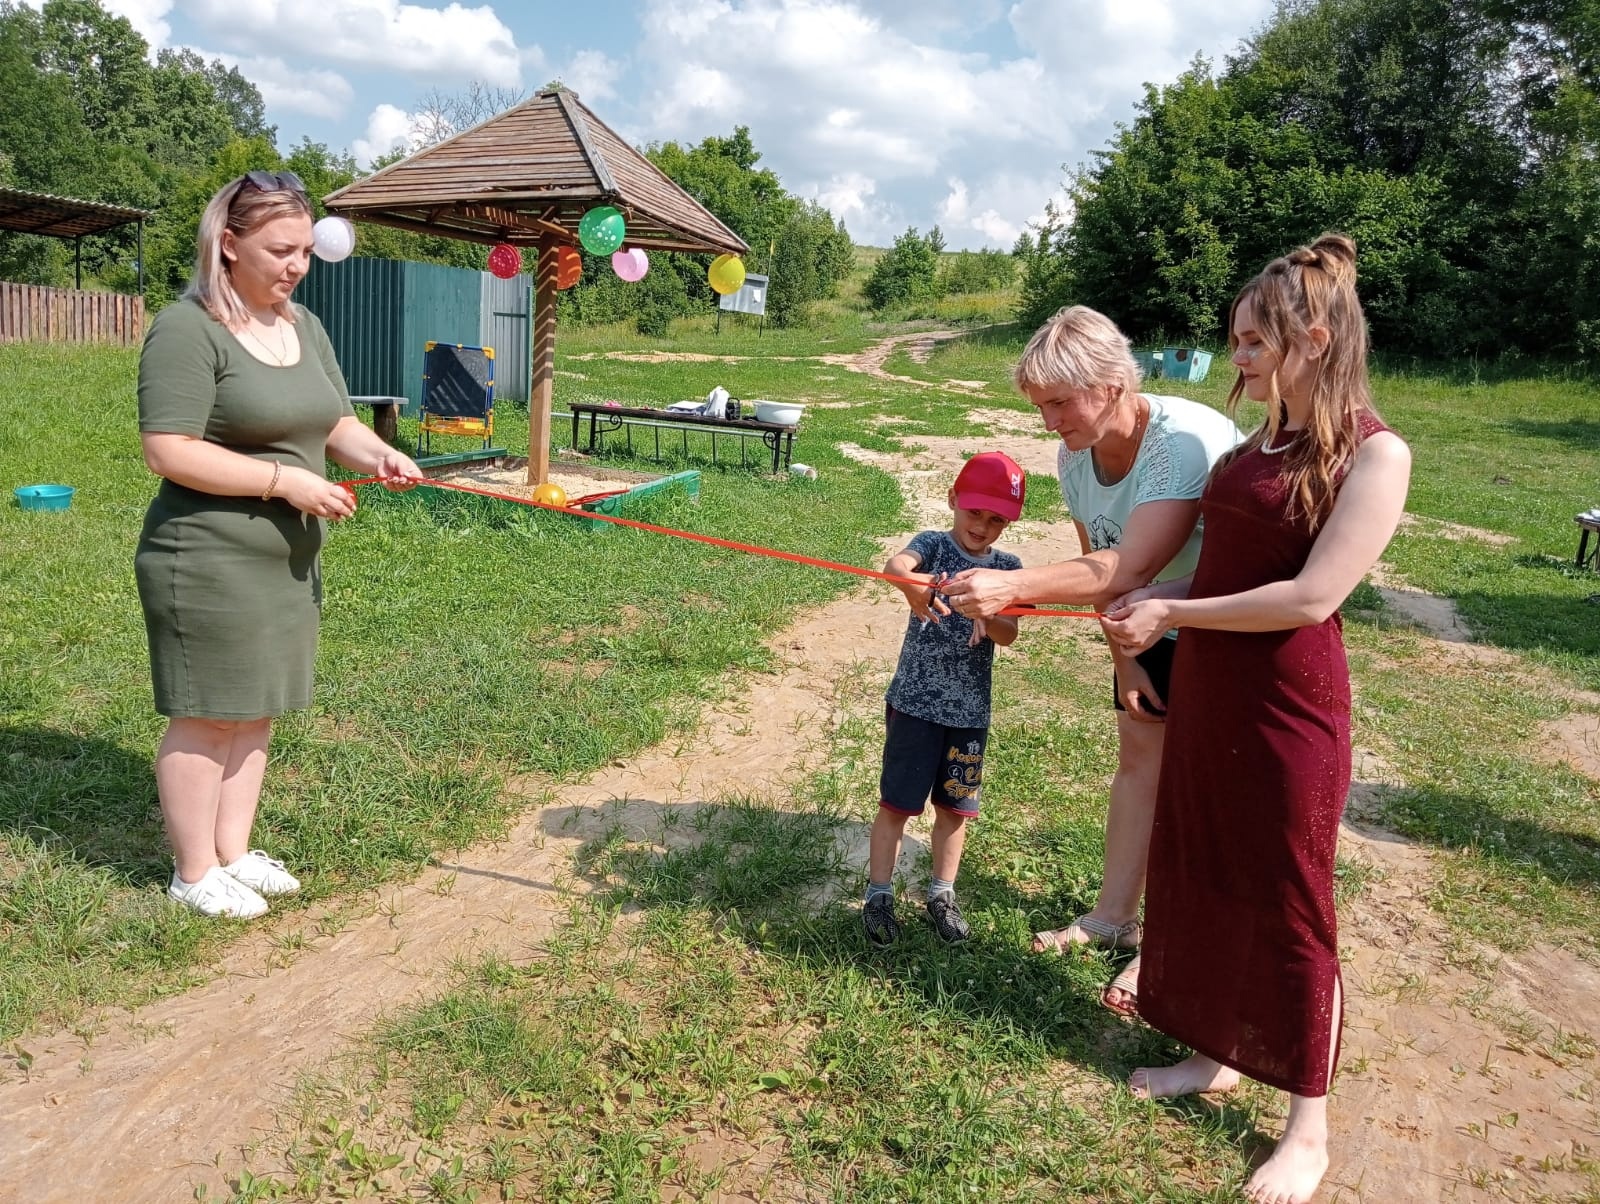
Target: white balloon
column 333, row 238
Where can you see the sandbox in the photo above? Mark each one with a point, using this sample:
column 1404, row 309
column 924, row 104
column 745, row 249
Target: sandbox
column 593, row 487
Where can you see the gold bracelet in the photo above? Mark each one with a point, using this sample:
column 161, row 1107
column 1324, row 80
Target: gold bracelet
column 277, row 471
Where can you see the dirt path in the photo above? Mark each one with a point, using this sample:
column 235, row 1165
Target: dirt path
column 919, row 346
column 1440, row 1073
column 869, row 362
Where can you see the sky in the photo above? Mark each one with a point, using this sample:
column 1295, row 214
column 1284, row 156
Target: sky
column 892, row 113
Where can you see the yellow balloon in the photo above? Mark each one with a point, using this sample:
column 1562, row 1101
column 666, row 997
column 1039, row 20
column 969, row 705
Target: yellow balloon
column 550, row 494
column 726, row 274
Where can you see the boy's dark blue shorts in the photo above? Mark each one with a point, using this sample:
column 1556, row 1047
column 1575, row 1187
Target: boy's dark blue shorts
column 922, row 759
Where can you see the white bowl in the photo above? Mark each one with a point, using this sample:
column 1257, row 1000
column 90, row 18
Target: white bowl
column 782, row 412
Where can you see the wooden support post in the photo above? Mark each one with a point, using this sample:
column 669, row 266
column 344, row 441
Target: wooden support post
column 542, row 363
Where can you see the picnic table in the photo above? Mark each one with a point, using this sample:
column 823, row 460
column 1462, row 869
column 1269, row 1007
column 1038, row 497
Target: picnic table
column 1588, row 524
column 385, row 414
column 609, row 419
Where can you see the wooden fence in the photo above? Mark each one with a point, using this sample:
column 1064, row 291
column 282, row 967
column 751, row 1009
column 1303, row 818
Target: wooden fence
column 31, row 313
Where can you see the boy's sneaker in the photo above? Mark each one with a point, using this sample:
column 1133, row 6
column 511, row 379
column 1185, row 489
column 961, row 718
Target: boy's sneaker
column 877, row 917
column 262, row 874
column 946, row 917
column 218, row 894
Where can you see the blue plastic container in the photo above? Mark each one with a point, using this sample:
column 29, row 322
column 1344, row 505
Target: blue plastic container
column 44, row 497
column 1185, row 363
column 1149, row 362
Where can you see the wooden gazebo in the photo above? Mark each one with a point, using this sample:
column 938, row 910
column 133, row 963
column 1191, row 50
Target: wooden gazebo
column 526, row 177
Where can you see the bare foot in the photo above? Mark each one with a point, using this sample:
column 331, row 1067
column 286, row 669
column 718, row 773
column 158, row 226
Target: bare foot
column 1192, row 1076
column 1291, row 1175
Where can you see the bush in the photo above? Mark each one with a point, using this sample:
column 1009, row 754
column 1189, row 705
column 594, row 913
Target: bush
column 977, row 272
column 909, row 272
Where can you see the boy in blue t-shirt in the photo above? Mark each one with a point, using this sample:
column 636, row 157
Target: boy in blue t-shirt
column 937, row 706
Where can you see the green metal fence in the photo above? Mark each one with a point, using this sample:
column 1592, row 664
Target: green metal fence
column 380, row 313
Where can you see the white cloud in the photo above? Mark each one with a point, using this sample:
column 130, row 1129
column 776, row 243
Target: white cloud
column 870, row 104
column 592, row 75
column 293, row 89
column 998, row 208
column 1121, row 44
column 850, row 197
column 388, row 129
column 147, row 16
column 451, row 43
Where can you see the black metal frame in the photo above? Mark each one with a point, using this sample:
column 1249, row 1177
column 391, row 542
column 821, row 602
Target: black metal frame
column 1586, row 558
column 608, row 420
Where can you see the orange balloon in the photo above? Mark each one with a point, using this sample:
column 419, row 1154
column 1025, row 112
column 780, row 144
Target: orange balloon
column 569, row 267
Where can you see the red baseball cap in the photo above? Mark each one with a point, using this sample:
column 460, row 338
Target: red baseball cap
column 992, row 481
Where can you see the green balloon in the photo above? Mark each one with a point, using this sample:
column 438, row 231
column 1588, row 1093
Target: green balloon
column 602, row 230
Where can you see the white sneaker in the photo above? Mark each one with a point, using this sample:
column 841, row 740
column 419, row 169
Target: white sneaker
column 262, row 874
column 218, row 894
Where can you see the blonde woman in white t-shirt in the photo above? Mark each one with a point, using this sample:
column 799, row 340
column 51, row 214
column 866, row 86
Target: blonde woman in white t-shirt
column 1132, row 467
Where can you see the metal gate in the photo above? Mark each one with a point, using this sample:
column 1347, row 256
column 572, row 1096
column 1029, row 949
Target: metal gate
column 504, row 313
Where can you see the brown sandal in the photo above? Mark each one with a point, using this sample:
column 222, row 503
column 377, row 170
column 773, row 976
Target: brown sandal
column 1095, row 934
column 1128, row 984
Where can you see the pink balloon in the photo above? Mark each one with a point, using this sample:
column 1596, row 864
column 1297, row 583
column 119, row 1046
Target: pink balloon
column 630, row 264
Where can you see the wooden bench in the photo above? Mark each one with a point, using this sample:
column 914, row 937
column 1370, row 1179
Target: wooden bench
column 385, row 414
column 607, row 420
column 1588, row 524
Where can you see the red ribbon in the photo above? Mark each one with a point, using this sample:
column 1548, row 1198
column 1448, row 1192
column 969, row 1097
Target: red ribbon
column 732, row 545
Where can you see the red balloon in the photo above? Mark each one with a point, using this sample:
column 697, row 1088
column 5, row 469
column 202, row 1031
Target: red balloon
column 569, row 267
column 505, row 261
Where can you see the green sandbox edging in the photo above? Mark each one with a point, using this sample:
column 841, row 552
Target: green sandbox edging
column 688, row 481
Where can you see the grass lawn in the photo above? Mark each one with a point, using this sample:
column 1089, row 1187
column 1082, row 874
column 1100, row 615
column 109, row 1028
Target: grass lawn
column 452, row 640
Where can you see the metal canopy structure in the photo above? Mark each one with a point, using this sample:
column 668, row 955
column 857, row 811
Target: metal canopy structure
column 68, row 217
column 531, row 173
column 526, row 177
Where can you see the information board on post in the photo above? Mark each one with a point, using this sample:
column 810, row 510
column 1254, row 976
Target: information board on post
column 748, row 298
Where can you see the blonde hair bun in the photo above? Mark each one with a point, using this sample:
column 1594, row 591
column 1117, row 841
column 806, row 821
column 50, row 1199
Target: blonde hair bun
column 1333, row 253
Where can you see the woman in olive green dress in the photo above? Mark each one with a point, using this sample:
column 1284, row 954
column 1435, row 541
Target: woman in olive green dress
column 240, row 404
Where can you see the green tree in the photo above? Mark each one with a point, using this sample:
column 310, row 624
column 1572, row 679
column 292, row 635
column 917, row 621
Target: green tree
column 105, row 60
column 191, row 124
column 811, row 256
column 42, row 127
column 908, row 272
column 1046, row 280
column 1453, row 139
column 722, row 174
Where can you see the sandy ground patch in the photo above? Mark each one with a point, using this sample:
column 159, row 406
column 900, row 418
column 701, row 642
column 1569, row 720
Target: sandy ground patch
column 578, row 481
column 1456, row 531
column 869, row 362
column 1575, row 740
column 1433, row 614
column 1012, row 422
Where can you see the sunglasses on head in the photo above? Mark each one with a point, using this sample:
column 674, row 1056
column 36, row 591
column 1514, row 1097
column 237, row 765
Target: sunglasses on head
column 274, row 181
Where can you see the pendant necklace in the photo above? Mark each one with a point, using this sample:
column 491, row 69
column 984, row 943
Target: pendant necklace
column 279, row 357
column 1137, row 440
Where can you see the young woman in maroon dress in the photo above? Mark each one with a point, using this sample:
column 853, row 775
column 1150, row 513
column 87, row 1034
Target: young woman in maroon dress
column 1240, row 950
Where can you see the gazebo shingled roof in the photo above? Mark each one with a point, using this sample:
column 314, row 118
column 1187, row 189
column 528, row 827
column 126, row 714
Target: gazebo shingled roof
column 531, row 173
